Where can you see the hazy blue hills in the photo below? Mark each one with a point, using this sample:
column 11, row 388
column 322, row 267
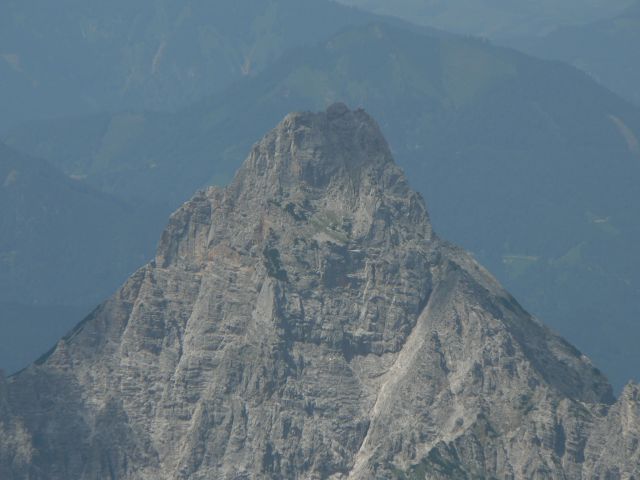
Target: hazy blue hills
column 599, row 37
column 530, row 164
column 495, row 18
column 78, row 56
column 64, row 246
column 608, row 49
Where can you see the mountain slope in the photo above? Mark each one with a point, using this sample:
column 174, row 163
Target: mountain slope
column 62, row 244
column 77, row 57
column 495, row 19
column 305, row 321
column 606, row 49
column 598, row 37
column 529, row 164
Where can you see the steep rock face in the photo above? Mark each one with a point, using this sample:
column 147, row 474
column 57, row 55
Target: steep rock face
column 15, row 442
column 614, row 448
column 305, row 322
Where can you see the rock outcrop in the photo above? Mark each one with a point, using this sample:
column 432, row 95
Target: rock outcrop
column 306, row 322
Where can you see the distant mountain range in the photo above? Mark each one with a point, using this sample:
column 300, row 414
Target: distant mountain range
column 529, row 164
column 600, row 37
column 79, row 56
column 494, row 18
column 607, row 49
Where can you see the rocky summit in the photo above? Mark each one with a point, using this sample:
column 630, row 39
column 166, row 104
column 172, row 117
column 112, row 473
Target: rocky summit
column 306, row 322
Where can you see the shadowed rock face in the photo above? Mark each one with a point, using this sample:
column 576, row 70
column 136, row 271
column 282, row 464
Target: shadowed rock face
column 305, row 322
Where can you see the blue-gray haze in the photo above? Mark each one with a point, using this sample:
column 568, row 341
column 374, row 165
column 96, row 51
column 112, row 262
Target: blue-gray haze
column 114, row 113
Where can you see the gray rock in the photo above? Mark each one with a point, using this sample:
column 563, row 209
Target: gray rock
column 306, row 322
column 613, row 451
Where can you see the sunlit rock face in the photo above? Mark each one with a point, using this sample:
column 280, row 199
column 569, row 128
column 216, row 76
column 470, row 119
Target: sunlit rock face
column 306, row 322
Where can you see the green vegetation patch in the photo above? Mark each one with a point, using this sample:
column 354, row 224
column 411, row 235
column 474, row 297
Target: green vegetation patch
column 517, row 265
column 332, row 225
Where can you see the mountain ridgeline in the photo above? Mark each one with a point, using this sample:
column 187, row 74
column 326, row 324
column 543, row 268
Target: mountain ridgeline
column 606, row 49
column 496, row 19
column 306, row 322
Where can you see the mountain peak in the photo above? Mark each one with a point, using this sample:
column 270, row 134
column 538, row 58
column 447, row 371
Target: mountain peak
column 316, row 148
column 329, row 176
column 304, row 322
